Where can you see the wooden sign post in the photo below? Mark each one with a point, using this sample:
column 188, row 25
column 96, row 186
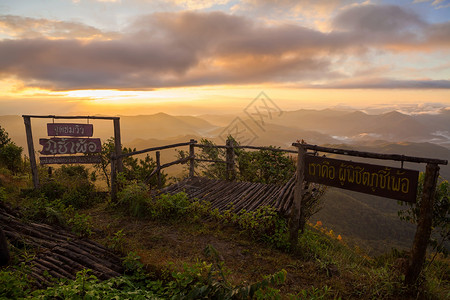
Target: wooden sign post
column 30, row 144
column 423, row 231
column 299, row 193
column 387, row 182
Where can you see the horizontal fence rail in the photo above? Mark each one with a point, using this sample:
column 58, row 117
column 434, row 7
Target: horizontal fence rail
column 212, row 161
column 395, row 157
column 246, row 147
column 155, row 149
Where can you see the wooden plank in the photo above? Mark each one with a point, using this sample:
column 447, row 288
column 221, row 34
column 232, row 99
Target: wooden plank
column 70, row 129
column 70, row 146
column 395, row 157
column 87, row 159
column 34, row 171
column 394, row 183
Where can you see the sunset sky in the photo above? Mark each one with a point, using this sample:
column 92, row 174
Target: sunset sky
column 192, row 57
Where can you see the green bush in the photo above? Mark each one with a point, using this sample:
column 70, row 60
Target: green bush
column 72, row 185
column 40, row 209
column 133, row 199
column 52, row 190
column 168, row 206
column 4, row 139
column 265, row 224
column 11, row 157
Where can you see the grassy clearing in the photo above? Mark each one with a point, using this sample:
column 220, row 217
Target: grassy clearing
column 174, row 248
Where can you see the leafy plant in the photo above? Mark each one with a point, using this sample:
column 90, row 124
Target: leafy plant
column 115, row 242
column 134, row 169
column 132, row 263
column 14, row 282
column 80, row 224
column 441, row 213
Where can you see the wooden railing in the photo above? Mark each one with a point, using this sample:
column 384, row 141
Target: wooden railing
column 230, row 159
column 230, row 155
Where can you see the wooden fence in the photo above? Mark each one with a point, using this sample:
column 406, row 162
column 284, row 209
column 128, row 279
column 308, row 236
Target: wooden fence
column 423, row 231
column 230, row 159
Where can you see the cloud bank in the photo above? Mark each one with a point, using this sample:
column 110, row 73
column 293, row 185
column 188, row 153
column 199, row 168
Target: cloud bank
column 175, row 49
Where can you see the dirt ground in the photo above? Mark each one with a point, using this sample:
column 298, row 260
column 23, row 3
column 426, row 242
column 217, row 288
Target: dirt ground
column 159, row 244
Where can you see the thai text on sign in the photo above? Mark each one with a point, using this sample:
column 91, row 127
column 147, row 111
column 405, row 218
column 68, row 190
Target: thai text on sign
column 86, row 159
column 69, row 129
column 395, row 183
column 70, row 146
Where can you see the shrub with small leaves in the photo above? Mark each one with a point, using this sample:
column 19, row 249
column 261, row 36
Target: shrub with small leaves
column 133, row 199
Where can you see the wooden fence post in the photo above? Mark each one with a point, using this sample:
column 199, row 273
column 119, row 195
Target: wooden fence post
column 117, row 144
column 34, row 171
column 294, row 218
column 158, row 168
column 423, row 231
column 192, row 158
column 231, row 171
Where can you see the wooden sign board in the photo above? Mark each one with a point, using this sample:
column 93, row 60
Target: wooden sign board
column 70, row 146
column 69, row 129
column 395, row 183
column 87, row 159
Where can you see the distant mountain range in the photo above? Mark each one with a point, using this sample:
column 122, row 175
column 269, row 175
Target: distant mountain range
column 424, row 135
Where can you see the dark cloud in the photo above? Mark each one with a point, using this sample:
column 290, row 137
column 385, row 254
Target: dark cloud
column 386, row 83
column 376, row 18
column 187, row 48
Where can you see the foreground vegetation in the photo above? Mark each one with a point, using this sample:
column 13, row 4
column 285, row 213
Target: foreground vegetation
column 174, row 248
